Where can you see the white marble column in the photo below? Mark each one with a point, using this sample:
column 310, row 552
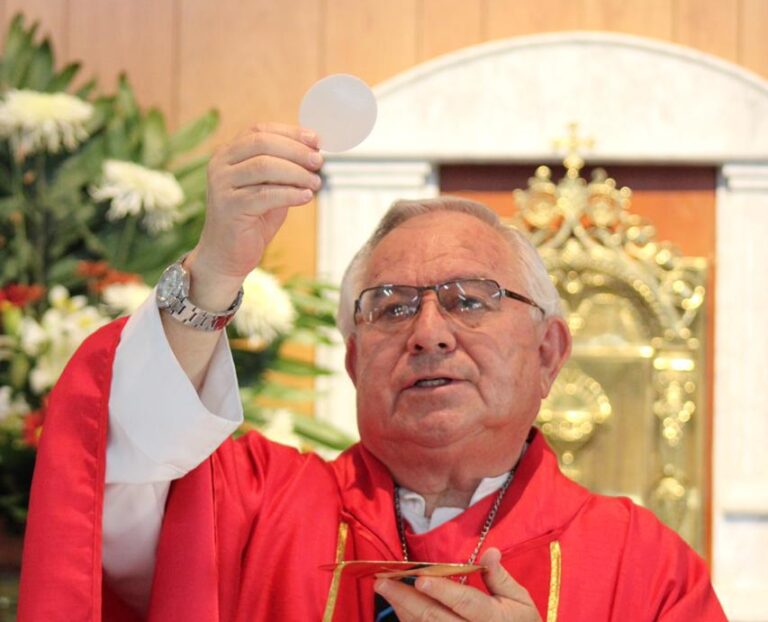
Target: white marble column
column 355, row 196
column 740, row 474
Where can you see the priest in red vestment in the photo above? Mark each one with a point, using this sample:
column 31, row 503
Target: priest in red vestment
column 142, row 508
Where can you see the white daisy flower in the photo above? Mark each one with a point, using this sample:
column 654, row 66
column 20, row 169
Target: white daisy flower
column 37, row 121
column 125, row 298
column 266, row 311
column 135, row 189
column 53, row 340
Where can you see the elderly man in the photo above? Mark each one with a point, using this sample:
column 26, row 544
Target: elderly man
column 453, row 337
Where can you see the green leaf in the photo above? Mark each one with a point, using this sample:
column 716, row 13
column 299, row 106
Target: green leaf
column 9, row 205
column 192, row 134
column 194, row 182
column 295, row 367
column 11, row 269
column 64, row 272
column 154, row 151
column 40, row 69
column 12, row 317
column 191, row 166
column 18, row 70
column 253, row 416
column 19, row 370
column 85, row 91
column 102, row 111
column 312, row 304
column 312, row 337
column 77, row 172
column 5, row 179
column 16, row 36
column 75, row 232
column 62, row 80
column 126, row 101
column 321, row 432
column 278, row 391
column 16, row 42
column 118, row 142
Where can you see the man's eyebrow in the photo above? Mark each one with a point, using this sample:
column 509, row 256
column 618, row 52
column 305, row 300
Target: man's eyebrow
column 449, row 279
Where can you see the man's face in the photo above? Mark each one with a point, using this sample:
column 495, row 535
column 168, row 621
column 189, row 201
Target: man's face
column 498, row 371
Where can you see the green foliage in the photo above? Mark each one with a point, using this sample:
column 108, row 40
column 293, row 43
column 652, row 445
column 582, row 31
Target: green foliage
column 48, row 218
column 312, row 432
column 17, row 462
column 51, row 227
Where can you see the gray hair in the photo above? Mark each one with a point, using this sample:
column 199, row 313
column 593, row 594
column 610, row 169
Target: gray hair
column 536, row 280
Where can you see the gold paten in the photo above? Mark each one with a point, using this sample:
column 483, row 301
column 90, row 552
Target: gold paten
column 555, row 570
column 625, row 415
column 333, row 592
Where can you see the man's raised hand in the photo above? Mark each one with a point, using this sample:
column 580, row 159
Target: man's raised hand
column 436, row 599
column 252, row 181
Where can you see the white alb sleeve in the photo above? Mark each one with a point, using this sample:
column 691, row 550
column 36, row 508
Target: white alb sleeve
column 160, row 428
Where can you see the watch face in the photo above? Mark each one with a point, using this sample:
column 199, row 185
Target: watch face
column 171, row 285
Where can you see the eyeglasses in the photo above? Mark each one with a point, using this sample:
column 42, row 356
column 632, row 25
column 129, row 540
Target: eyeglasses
column 388, row 307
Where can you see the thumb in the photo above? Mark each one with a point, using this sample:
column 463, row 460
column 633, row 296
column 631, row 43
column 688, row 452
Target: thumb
column 499, row 581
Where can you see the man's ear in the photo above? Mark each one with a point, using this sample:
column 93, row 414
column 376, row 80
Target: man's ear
column 554, row 349
column 350, row 359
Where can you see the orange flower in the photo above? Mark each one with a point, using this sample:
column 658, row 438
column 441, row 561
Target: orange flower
column 33, row 427
column 21, row 295
column 100, row 275
column 92, row 268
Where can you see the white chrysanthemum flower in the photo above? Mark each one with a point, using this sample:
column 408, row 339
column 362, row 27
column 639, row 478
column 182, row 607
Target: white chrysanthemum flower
column 9, row 406
column 37, row 121
column 53, row 340
column 280, row 429
column 134, row 189
column 267, row 310
column 125, row 298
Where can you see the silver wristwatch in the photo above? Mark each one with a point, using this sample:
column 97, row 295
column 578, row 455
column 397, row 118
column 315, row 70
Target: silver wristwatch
column 173, row 297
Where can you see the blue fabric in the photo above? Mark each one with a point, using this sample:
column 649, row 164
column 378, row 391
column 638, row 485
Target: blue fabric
column 383, row 611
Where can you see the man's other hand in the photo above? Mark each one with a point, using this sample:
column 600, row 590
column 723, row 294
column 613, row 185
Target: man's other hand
column 438, row 600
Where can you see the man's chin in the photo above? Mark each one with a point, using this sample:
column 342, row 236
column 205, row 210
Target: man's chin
column 432, row 429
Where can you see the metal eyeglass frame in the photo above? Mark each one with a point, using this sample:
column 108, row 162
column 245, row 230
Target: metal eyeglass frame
column 436, row 288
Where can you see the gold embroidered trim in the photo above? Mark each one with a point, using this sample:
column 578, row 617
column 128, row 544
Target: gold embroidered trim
column 333, row 593
column 554, row 580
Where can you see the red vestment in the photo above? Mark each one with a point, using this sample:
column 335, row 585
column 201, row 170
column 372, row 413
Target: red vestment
column 244, row 534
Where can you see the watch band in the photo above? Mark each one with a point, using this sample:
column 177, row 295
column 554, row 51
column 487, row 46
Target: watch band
column 173, row 297
column 187, row 313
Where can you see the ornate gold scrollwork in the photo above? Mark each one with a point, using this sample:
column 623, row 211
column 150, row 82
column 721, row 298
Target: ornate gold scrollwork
column 576, row 405
column 634, row 305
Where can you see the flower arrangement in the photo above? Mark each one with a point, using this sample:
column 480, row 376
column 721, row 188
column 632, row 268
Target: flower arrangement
column 96, row 198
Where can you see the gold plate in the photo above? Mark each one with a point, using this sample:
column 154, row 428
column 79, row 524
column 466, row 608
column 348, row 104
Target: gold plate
column 360, row 569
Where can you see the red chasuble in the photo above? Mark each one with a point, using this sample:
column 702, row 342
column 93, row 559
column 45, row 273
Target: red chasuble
column 245, row 534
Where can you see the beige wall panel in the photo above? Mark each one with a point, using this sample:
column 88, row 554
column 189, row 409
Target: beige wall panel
column 645, row 18
column 708, row 25
column 369, row 38
column 293, row 250
column 52, row 15
column 447, row 25
column 137, row 37
column 508, row 18
column 252, row 60
column 753, row 36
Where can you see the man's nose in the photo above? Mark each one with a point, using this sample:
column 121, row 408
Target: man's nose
column 432, row 330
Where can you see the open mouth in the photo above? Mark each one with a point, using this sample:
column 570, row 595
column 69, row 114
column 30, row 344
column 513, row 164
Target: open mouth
column 431, row 383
